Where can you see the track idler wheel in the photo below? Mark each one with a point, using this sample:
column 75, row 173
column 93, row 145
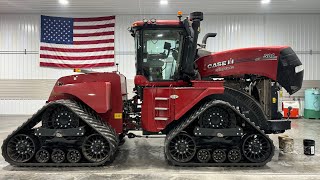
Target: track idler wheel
column 219, row 155
column 21, row 148
column 73, row 156
column 256, row 148
column 234, row 155
column 58, row 156
column 42, row 156
column 95, row 148
column 182, row 148
column 204, row 155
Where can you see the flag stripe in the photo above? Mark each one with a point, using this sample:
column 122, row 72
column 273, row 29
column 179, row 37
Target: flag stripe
column 93, row 19
column 76, row 58
column 94, row 42
column 93, row 38
column 94, row 34
column 78, row 54
column 77, row 62
column 93, row 23
column 76, row 50
column 94, row 26
column 76, row 65
column 79, row 46
column 85, row 31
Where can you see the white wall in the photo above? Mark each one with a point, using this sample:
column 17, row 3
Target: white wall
column 302, row 32
column 20, row 32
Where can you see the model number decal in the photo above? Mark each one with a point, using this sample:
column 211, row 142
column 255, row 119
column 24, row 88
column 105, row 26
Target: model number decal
column 221, row 63
column 269, row 56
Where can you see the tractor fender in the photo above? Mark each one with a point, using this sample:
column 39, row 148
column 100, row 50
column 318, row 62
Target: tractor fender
column 96, row 95
column 188, row 98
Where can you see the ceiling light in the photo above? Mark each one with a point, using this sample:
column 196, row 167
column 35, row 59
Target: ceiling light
column 163, row 2
column 265, row 1
column 64, row 2
column 160, row 35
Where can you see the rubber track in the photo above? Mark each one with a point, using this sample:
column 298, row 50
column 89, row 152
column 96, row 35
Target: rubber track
column 243, row 100
column 86, row 114
column 193, row 116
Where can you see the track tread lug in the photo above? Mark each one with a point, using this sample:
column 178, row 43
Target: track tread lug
column 87, row 115
column 184, row 123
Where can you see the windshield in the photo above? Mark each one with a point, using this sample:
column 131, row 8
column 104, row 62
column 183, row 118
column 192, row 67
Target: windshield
column 161, row 54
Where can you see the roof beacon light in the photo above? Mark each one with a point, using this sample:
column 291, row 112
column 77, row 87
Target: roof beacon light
column 179, row 15
column 153, row 20
column 77, row 70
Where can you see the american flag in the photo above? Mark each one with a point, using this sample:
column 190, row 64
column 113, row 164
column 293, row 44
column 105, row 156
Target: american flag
column 77, row 42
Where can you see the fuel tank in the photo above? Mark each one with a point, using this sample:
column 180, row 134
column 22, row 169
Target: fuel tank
column 279, row 63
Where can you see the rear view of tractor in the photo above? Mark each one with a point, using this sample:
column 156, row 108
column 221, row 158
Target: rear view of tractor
column 215, row 108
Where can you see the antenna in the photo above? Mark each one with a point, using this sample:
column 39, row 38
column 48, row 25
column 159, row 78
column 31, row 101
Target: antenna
column 117, row 67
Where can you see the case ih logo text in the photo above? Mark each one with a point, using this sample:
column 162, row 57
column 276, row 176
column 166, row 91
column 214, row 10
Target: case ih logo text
column 221, row 63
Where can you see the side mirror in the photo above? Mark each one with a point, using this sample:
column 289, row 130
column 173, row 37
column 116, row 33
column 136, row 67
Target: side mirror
column 131, row 31
column 167, row 46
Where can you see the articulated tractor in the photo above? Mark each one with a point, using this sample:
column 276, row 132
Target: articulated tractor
column 216, row 109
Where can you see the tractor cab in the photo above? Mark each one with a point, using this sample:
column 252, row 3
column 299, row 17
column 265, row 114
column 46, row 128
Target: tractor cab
column 166, row 49
column 159, row 53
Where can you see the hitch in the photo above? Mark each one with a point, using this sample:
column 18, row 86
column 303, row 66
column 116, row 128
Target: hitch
column 131, row 135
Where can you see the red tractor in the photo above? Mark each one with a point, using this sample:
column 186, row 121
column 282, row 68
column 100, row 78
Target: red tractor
column 215, row 109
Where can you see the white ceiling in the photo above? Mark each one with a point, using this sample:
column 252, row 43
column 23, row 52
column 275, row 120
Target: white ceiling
column 117, row 7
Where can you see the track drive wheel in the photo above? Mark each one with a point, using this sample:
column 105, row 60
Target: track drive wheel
column 95, row 148
column 60, row 118
column 182, row 148
column 217, row 117
column 21, row 148
column 256, row 148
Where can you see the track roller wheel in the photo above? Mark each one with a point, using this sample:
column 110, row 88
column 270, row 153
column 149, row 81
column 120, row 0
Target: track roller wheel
column 21, row 148
column 95, row 148
column 60, row 118
column 256, row 148
column 219, row 155
column 234, row 155
column 58, row 156
column 42, row 156
column 204, row 155
column 182, row 148
column 73, row 156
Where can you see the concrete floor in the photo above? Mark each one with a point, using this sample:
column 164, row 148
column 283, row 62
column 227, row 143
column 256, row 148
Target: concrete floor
column 142, row 158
